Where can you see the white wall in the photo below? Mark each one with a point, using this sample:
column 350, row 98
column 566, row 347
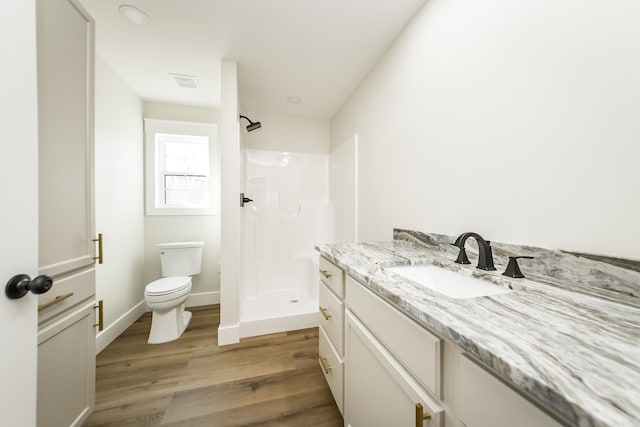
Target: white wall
column 344, row 190
column 184, row 113
column 119, row 199
column 287, row 133
column 229, row 330
column 172, row 228
column 517, row 119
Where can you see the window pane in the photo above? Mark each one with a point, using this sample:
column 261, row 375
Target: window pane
column 184, row 170
column 187, row 157
column 175, row 198
column 175, row 182
column 190, row 190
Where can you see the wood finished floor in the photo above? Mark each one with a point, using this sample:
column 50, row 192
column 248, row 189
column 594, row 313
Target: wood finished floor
column 272, row 380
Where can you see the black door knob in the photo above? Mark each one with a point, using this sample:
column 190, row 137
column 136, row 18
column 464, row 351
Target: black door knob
column 20, row 284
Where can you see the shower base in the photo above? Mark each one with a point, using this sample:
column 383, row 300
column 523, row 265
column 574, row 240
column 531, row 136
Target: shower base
column 278, row 311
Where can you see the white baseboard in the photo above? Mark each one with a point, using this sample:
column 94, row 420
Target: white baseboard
column 114, row 330
column 229, row 334
column 255, row 328
column 203, row 298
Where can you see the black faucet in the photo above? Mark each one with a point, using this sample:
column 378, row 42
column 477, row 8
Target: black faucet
column 485, row 257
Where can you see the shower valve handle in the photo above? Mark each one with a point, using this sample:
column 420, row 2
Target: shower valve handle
column 244, row 200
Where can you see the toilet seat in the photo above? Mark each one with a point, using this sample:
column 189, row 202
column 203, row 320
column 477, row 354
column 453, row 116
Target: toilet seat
column 167, row 286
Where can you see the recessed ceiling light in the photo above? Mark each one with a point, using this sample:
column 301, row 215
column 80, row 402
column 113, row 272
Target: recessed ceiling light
column 134, row 15
column 294, row 99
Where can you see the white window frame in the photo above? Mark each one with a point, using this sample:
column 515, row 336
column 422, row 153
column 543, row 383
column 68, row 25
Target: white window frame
column 153, row 192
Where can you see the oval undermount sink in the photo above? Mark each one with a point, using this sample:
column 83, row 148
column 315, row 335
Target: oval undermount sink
column 449, row 283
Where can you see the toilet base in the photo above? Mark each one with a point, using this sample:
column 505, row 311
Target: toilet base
column 168, row 325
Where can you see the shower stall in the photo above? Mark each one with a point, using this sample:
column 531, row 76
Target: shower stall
column 289, row 214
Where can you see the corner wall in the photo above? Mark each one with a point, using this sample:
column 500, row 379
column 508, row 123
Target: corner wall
column 119, row 199
column 512, row 118
column 229, row 329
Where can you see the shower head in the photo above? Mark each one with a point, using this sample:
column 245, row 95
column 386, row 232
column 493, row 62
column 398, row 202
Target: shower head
column 252, row 125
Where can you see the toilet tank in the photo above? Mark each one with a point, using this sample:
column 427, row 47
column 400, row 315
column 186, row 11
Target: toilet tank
column 180, row 258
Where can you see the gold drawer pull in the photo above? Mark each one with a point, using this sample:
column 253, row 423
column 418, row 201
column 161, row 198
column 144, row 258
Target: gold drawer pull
column 420, row 415
column 325, row 364
column 326, row 273
column 99, row 240
column 323, row 310
column 55, row 301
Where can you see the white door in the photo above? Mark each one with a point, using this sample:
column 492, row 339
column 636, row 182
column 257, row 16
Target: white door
column 66, row 338
column 18, row 212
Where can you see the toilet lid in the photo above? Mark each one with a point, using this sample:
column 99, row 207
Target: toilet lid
column 168, row 285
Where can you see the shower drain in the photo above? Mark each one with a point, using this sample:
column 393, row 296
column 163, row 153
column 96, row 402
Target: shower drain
column 293, row 301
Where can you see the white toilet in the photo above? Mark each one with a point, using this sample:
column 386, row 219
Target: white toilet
column 166, row 297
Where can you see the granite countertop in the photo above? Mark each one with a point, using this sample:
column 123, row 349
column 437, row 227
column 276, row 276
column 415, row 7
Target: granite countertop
column 568, row 335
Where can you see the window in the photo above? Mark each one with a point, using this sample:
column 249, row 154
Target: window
column 181, row 168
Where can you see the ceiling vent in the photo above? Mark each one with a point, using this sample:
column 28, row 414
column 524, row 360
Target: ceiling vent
column 182, row 80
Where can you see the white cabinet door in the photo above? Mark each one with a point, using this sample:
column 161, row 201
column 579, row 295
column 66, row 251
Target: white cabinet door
column 65, row 125
column 378, row 390
column 66, row 390
column 484, row 401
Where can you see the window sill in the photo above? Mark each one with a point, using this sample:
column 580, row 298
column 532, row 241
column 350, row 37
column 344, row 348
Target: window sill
column 179, row 211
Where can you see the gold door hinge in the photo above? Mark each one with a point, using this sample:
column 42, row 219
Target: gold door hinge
column 99, row 257
column 100, row 308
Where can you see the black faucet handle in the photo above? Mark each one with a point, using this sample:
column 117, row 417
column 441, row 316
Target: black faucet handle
column 462, row 256
column 513, row 269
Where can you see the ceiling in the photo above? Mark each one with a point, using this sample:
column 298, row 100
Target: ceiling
column 317, row 50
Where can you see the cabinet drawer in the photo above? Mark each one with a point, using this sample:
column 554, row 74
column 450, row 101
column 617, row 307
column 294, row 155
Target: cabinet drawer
column 332, row 317
column 66, row 369
column 332, row 276
column 484, row 401
column 66, row 292
column 416, row 348
column 332, row 367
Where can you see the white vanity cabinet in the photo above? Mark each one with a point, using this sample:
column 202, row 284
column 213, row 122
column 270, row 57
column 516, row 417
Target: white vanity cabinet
column 398, row 373
column 331, row 335
column 66, row 315
column 484, row 401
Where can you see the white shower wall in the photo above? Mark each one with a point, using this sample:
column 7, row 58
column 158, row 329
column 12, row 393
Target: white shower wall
column 290, row 213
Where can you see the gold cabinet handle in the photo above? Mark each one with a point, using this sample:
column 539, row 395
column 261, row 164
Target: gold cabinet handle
column 324, row 362
column 420, row 415
column 100, row 308
column 326, row 273
column 326, row 315
column 55, row 301
column 99, row 240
